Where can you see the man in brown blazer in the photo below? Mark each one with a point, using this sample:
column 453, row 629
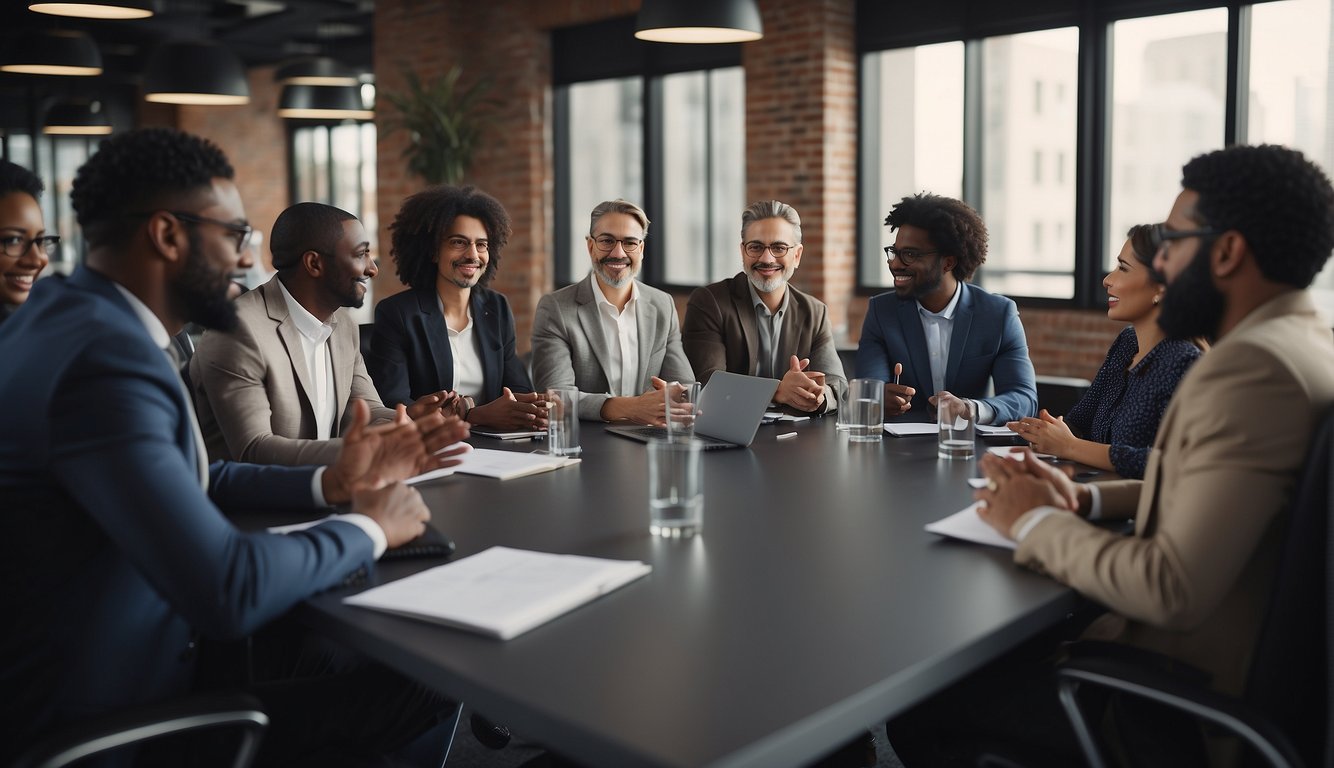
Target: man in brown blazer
column 1245, row 238
column 757, row 324
column 277, row 389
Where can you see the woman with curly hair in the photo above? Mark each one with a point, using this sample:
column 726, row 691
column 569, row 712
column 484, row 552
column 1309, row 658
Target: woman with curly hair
column 450, row 332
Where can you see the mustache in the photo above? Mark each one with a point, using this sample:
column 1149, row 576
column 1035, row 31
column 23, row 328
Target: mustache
column 467, row 262
column 614, row 260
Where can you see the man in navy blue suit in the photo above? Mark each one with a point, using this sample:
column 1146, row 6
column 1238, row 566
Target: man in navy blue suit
column 117, row 556
column 948, row 336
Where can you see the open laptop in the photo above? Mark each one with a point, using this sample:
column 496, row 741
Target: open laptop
column 730, row 409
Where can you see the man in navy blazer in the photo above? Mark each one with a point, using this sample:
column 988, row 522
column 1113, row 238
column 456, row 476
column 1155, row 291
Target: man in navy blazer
column 948, row 336
column 450, row 331
column 118, row 557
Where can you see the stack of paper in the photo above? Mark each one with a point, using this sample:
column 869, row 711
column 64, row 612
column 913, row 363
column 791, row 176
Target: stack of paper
column 966, row 525
column 502, row 465
column 911, row 429
column 501, row 592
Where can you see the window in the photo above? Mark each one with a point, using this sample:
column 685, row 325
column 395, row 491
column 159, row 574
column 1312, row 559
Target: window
column 1289, row 82
column 912, row 138
column 1168, row 84
column 335, row 164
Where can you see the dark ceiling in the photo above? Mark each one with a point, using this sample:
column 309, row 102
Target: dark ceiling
column 259, row 31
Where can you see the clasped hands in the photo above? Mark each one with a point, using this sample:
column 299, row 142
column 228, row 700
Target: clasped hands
column 1017, row 485
column 800, row 388
column 1046, row 433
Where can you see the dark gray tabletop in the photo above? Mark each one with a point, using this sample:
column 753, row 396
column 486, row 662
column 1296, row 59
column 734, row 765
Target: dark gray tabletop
column 812, row 606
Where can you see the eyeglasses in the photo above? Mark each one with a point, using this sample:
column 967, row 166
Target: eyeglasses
column 755, row 249
column 906, row 256
column 15, row 246
column 459, row 244
column 1160, row 235
column 607, row 243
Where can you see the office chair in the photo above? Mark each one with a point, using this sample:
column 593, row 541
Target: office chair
column 143, row 724
column 1059, row 394
column 1285, row 713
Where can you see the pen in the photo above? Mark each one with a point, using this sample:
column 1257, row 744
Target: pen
column 898, row 370
column 786, row 435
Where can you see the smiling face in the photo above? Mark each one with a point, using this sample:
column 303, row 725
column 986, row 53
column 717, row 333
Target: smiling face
column 1130, row 288
column 768, row 272
column 20, row 217
column 350, row 266
column 928, row 279
column 464, row 252
column 616, row 268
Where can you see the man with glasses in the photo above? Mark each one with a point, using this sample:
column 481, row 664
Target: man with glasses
column 937, row 334
column 119, row 556
column 757, row 324
column 278, row 388
column 614, row 338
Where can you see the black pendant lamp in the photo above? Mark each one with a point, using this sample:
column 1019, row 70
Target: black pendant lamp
column 315, row 70
column 323, row 102
column 76, row 119
column 195, row 72
column 52, row 52
column 699, row 21
column 96, row 9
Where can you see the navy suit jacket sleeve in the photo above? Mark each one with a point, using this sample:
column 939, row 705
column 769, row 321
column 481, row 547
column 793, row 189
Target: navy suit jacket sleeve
column 872, row 351
column 1012, row 373
column 114, row 425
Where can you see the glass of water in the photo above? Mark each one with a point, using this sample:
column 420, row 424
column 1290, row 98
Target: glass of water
column 958, row 435
column 866, row 406
column 675, row 488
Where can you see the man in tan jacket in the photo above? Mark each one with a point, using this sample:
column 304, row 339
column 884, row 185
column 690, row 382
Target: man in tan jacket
column 1245, row 238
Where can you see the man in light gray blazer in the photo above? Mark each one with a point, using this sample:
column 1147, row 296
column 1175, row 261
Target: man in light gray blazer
column 614, row 338
column 277, row 389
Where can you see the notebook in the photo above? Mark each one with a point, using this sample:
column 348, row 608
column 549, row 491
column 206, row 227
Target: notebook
column 730, row 409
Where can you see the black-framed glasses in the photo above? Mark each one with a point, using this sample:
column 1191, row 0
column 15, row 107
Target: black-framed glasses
column 607, row 244
column 241, row 232
column 755, row 249
column 459, row 244
column 15, row 246
column 1160, row 235
column 906, row 256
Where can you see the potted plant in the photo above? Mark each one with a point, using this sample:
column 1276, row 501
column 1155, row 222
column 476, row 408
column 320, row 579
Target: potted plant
column 444, row 124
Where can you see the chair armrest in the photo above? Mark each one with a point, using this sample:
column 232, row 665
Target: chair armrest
column 1117, row 672
column 152, row 721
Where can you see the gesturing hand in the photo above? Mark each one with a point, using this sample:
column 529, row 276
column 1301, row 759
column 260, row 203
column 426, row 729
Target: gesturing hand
column 1046, row 433
column 526, row 410
column 1017, row 485
column 799, row 388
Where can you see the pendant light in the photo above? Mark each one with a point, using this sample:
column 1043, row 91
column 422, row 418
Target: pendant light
column 315, row 70
column 77, row 119
column 323, row 102
column 699, row 21
column 52, row 52
column 195, row 72
column 96, row 9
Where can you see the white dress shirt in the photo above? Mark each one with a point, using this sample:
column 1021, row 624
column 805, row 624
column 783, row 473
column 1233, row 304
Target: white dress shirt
column 938, row 328
column 621, row 330
column 314, row 337
column 467, row 357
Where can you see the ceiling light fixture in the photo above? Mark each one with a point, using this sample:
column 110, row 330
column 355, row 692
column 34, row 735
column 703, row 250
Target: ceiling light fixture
column 77, row 119
column 699, row 21
column 315, row 70
column 323, row 102
column 195, row 72
column 97, row 9
column 52, row 52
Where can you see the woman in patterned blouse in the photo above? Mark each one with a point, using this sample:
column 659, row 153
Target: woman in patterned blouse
column 1118, row 416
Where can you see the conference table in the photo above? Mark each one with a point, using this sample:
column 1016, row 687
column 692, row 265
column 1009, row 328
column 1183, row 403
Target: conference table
column 812, row 605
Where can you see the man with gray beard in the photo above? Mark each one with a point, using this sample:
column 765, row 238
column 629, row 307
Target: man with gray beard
column 756, row 324
column 611, row 336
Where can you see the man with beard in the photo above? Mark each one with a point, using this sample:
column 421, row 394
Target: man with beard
column 451, row 332
column 1250, row 230
column 117, row 553
column 756, row 324
column 615, row 339
column 276, row 389
column 938, row 334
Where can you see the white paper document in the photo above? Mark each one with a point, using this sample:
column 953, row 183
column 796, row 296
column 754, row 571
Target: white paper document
column 502, row 465
column 1016, row 452
column 911, row 429
column 501, row 592
column 996, row 429
column 966, row 525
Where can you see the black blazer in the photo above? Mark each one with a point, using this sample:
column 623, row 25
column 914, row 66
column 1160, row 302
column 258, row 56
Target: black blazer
column 410, row 354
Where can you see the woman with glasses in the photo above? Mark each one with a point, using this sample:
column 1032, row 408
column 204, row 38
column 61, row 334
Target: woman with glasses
column 25, row 248
column 1117, row 418
column 450, row 332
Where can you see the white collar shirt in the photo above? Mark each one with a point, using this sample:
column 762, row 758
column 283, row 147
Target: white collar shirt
column 938, row 328
column 314, row 337
column 621, row 330
column 467, row 357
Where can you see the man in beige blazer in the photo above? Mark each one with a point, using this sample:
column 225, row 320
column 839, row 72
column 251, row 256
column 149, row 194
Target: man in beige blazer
column 756, row 324
column 277, row 389
column 1245, row 238
column 611, row 336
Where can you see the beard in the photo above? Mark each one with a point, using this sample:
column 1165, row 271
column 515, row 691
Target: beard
column 199, row 293
column 611, row 282
column 1192, row 307
column 923, row 285
column 464, row 282
column 772, row 284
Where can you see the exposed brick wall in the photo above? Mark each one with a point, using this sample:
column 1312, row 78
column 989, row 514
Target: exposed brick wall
column 255, row 140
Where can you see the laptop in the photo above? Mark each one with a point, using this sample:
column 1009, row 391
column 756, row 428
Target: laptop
column 730, row 409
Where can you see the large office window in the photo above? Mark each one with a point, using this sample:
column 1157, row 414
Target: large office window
column 335, row 164
column 1169, row 101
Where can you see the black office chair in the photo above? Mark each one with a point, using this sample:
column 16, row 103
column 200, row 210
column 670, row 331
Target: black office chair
column 140, row 725
column 1285, row 715
column 1058, row 394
